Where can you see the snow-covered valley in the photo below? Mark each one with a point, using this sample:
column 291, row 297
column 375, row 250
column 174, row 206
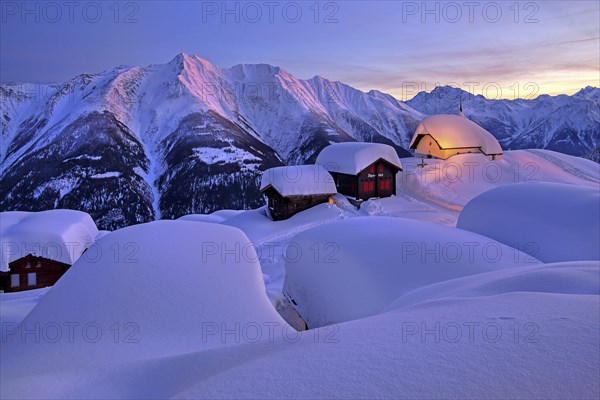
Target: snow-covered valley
column 479, row 279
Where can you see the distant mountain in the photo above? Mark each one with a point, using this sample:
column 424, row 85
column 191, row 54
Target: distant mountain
column 133, row 144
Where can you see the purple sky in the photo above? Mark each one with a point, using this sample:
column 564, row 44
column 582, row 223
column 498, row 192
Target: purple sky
column 394, row 46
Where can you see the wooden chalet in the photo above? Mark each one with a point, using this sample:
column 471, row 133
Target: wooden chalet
column 289, row 190
column 31, row 272
column 362, row 170
column 39, row 247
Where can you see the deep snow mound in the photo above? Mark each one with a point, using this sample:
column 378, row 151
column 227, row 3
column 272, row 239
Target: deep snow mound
column 564, row 278
column 149, row 290
column 551, row 221
column 353, row 268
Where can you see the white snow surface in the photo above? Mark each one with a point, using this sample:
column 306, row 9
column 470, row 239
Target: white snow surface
column 60, row 235
column 499, row 334
column 228, row 154
column 353, row 157
column 354, row 268
column 553, row 355
column 298, row 180
column 451, row 131
column 201, row 218
column 112, row 174
column 548, row 314
column 551, row 221
column 443, row 187
column 160, row 287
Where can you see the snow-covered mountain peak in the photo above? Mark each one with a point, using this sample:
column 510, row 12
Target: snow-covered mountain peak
column 184, row 61
column 256, row 71
column 589, row 92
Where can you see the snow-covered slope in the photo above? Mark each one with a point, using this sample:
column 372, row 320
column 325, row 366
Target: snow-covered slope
column 528, row 332
column 556, row 222
column 446, row 186
column 174, row 326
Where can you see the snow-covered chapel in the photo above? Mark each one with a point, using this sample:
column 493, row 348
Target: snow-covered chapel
column 445, row 135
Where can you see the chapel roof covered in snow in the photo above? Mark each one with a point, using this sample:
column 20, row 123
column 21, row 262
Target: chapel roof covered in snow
column 455, row 131
column 59, row 235
column 353, row 157
column 298, row 180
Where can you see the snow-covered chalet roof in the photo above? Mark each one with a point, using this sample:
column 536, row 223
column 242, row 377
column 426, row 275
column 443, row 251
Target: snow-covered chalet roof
column 60, row 235
column 455, row 131
column 353, row 157
column 298, row 180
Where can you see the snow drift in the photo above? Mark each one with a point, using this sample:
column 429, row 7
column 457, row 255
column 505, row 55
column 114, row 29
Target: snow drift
column 448, row 185
column 506, row 340
column 499, row 334
column 552, row 222
column 150, row 290
column 349, row 269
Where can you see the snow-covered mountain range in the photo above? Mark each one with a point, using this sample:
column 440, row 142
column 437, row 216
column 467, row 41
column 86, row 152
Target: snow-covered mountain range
column 133, row 144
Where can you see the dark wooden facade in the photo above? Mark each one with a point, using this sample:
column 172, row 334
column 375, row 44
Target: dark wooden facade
column 31, row 272
column 377, row 180
column 282, row 207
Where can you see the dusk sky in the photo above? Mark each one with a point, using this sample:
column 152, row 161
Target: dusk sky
column 388, row 46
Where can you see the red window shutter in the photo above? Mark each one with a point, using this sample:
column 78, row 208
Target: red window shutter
column 372, row 169
column 380, row 168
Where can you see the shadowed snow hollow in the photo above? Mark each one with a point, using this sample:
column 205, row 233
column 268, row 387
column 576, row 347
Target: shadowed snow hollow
column 353, row 268
column 150, row 290
column 551, row 221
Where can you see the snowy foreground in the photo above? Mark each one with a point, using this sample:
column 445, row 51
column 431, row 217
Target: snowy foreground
column 478, row 280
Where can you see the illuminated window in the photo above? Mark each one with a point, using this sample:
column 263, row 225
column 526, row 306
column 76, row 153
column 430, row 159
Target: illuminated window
column 372, row 169
column 380, row 168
